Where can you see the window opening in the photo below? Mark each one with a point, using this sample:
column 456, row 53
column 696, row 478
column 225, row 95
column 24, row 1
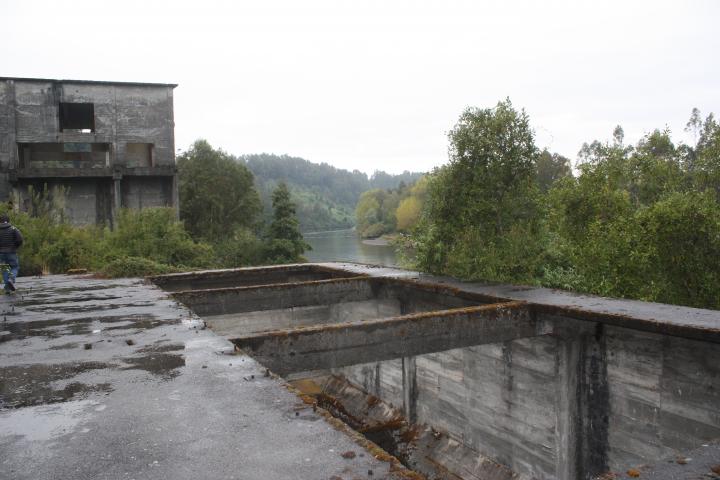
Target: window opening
column 77, row 116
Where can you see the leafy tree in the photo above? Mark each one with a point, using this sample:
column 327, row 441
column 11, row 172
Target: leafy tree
column 408, row 213
column 706, row 153
column 375, row 212
column 410, row 208
column 286, row 243
column 368, row 213
column 216, row 193
column 482, row 216
column 551, row 167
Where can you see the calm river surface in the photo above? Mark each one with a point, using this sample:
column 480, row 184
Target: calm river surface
column 346, row 246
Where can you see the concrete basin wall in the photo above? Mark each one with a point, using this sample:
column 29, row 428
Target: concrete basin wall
column 237, row 324
column 244, row 277
column 235, row 311
column 607, row 399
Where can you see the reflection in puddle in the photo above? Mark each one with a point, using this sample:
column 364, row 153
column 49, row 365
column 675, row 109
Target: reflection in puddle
column 55, row 328
column 23, row 386
column 44, row 422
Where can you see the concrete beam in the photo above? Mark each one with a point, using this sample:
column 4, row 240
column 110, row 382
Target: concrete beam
column 344, row 344
column 221, row 301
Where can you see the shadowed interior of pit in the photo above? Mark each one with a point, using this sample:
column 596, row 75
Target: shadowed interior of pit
column 240, row 311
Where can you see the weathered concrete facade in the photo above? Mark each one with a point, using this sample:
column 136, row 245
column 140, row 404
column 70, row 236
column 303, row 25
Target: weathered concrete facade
column 97, row 146
column 491, row 381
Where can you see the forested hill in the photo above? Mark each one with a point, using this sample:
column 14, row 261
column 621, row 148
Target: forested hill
column 325, row 196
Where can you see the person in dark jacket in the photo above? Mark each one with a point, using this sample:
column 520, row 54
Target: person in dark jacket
column 10, row 240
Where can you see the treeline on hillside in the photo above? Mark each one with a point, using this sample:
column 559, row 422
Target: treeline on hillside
column 639, row 221
column 325, row 196
column 221, row 226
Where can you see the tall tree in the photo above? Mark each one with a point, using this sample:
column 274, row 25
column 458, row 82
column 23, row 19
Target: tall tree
column 285, row 242
column 217, row 194
column 482, row 209
column 551, row 167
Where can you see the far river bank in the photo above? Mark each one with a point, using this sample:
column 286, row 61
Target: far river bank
column 346, row 246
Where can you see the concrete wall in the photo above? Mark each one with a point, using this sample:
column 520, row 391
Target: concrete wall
column 138, row 115
column 245, row 277
column 604, row 399
column 235, row 325
column 123, row 114
column 143, row 192
column 7, row 135
column 84, row 201
column 664, row 395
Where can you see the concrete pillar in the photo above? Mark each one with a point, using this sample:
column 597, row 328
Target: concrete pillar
column 410, row 392
column 581, row 432
column 117, row 197
column 568, row 426
column 175, row 196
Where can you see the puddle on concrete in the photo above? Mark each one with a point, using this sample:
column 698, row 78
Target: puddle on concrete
column 90, row 288
column 56, row 328
column 88, row 308
column 160, row 347
column 54, row 300
column 141, row 323
column 65, row 346
column 22, row 386
column 163, row 365
column 44, row 422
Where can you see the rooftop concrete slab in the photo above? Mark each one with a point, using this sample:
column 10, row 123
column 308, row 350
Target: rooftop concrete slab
column 111, row 379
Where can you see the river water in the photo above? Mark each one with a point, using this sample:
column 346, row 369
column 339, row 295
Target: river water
column 346, row 246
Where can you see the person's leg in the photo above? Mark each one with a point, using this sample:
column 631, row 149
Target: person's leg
column 5, row 272
column 12, row 260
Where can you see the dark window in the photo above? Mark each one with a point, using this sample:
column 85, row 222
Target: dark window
column 77, row 116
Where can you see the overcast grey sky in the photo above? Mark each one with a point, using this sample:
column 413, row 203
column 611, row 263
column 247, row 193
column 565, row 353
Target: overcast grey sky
column 377, row 84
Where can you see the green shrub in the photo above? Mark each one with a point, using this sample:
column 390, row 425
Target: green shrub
column 135, row 267
column 684, row 232
column 241, row 249
column 70, row 247
column 155, row 234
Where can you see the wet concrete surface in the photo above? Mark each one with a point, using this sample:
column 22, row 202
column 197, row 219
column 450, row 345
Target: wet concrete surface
column 105, row 379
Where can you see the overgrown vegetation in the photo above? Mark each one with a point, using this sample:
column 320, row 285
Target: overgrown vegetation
column 144, row 242
column 637, row 221
column 220, row 227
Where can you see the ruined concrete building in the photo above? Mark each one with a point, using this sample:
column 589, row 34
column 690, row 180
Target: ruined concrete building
column 101, row 146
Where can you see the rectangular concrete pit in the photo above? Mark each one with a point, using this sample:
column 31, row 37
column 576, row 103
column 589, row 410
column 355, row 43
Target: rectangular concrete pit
column 241, row 311
column 505, row 382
